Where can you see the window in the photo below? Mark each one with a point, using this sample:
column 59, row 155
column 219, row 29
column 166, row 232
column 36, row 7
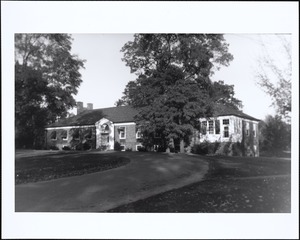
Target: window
column 203, row 127
column 122, row 132
column 138, row 134
column 105, row 128
column 217, row 126
column 247, row 128
column 122, row 147
column 64, row 135
column 226, row 132
column 88, row 134
column 253, row 133
column 53, row 135
column 225, row 121
column 76, row 134
column 211, row 127
column 138, row 147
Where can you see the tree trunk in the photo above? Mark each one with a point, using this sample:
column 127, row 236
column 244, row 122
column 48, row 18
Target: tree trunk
column 170, row 145
column 181, row 146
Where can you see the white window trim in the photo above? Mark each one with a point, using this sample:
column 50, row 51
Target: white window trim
column 69, row 127
column 226, row 124
column 124, row 133
column 66, row 138
column 136, row 147
column 124, row 124
column 136, row 134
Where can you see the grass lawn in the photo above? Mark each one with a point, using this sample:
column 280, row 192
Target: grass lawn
column 35, row 166
column 233, row 185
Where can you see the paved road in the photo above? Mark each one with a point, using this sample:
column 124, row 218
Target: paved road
column 146, row 175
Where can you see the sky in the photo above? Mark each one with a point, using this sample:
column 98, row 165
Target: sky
column 105, row 75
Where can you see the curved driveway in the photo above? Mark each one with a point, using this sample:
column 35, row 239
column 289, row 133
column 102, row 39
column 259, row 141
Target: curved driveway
column 147, row 174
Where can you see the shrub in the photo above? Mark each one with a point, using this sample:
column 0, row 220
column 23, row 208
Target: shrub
column 103, row 147
column 226, row 148
column 142, row 149
column 53, row 147
column 201, row 148
column 66, row 148
column 79, row 147
column 216, row 146
column 205, row 148
column 128, row 149
column 86, row 146
column 117, row 146
column 172, row 150
column 237, row 149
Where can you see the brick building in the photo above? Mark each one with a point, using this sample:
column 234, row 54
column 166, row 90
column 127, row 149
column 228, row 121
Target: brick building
column 96, row 129
column 229, row 125
column 103, row 128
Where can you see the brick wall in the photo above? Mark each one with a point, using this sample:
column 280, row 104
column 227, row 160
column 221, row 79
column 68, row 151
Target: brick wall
column 250, row 138
column 130, row 141
column 74, row 138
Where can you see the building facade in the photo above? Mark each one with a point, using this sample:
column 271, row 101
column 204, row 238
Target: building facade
column 95, row 129
column 104, row 128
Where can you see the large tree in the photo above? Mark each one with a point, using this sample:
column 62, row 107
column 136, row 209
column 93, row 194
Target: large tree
column 275, row 135
column 173, row 87
column 275, row 76
column 46, row 79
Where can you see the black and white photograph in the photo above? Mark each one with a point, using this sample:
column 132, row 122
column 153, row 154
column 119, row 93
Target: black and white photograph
column 170, row 126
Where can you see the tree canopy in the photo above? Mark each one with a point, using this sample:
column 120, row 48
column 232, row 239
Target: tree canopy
column 275, row 78
column 173, row 87
column 275, row 135
column 46, row 79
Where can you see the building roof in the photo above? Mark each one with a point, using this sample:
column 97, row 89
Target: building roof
column 225, row 110
column 124, row 114
column 90, row 117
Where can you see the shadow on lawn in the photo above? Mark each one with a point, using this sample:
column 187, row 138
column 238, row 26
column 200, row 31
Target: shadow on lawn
column 53, row 166
column 232, row 185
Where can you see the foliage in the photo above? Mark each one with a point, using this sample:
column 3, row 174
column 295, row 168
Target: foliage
column 217, row 148
column 128, row 149
column 205, row 148
column 275, row 135
column 81, row 138
column 66, row 148
column 102, row 148
column 46, row 78
column 276, row 79
column 53, row 147
column 86, row 145
column 173, row 87
column 142, row 149
column 117, row 146
column 237, row 149
column 226, row 148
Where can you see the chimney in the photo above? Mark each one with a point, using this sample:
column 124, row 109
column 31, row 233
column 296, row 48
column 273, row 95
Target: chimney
column 89, row 106
column 79, row 107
